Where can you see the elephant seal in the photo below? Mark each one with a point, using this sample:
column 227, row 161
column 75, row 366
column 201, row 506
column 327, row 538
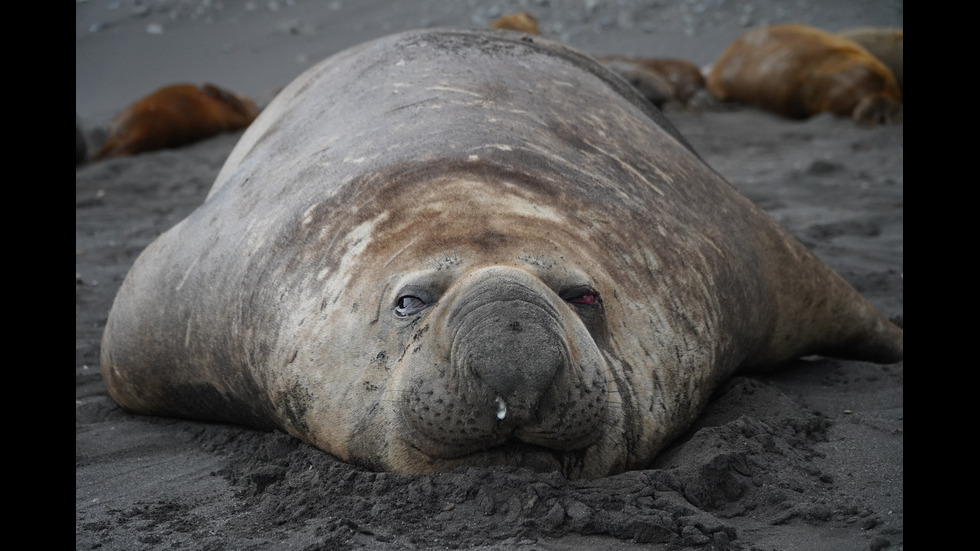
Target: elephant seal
column 450, row 248
column 519, row 21
column 660, row 80
column 176, row 115
column 800, row 71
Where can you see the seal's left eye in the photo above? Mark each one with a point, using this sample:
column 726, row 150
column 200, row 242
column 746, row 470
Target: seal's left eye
column 587, row 298
column 408, row 306
column 581, row 296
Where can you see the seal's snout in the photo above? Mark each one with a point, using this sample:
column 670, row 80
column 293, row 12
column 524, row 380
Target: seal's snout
column 521, row 373
column 510, row 338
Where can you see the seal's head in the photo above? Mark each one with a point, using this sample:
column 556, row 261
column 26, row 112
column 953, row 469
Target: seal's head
column 500, row 367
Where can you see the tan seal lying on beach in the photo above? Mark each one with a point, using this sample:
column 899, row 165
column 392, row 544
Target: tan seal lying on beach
column 799, row 71
column 659, row 79
column 449, row 247
column 176, row 115
column 519, row 21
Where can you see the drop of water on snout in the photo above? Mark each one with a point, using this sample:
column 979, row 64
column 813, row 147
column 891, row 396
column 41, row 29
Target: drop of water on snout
column 501, row 408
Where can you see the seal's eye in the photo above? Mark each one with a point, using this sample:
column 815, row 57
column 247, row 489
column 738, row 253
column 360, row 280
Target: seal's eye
column 584, row 299
column 582, row 296
column 409, row 306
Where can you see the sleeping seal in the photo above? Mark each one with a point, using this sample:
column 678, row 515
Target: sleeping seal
column 463, row 247
column 800, row 71
column 176, row 115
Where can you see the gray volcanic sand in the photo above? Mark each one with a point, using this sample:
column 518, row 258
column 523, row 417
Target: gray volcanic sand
column 810, row 457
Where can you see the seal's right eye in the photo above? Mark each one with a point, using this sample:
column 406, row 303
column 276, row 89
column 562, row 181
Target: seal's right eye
column 409, row 305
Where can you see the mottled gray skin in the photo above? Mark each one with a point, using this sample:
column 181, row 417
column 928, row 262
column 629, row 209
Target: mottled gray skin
column 450, row 247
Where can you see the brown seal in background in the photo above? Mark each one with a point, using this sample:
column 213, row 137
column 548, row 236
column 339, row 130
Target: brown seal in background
column 661, row 80
column 519, row 21
column 800, row 71
column 176, row 115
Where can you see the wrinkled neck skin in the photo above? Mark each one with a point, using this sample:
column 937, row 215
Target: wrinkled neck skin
column 513, row 348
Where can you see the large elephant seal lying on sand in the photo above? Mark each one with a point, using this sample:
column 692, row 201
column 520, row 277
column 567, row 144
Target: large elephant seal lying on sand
column 450, row 247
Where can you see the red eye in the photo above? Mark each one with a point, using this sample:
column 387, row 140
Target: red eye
column 584, row 299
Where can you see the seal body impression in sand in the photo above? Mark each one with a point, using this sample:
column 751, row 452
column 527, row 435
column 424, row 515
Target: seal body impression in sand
column 799, row 71
column 448, row 247
column 176, row 115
